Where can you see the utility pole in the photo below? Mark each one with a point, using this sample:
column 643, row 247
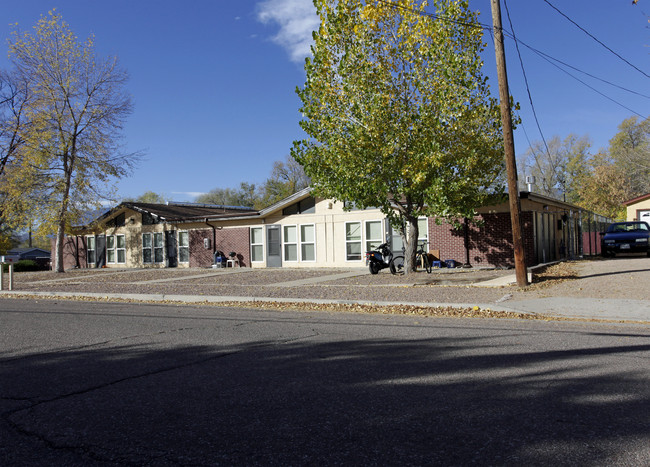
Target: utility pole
column 509, row 146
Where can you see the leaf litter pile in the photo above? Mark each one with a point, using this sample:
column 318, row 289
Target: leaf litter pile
column 554, row 274
column 369, row 308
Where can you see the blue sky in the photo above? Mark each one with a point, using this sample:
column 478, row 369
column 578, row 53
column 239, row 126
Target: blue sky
column 213, row 81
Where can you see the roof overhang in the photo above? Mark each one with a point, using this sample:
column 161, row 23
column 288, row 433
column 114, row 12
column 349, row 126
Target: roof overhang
column 637, row 199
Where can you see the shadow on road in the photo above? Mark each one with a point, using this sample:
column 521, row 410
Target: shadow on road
column 437, row 401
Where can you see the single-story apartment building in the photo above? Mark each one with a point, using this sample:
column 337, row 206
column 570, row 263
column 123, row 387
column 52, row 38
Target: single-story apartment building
column 306, row 231
column 638, row 209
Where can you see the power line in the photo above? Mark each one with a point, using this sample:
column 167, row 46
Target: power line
column 592, row 88
column 545, row 56
column 509, row 34
column 438, row 17
column 523, row 70
column 596, row 39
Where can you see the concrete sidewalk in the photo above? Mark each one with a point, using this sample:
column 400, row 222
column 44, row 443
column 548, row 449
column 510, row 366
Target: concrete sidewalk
column 552, row 307
column 588, row 295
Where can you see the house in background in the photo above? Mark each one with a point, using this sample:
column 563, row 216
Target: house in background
column 638, row 209
column 303, row 231
column 39, row 255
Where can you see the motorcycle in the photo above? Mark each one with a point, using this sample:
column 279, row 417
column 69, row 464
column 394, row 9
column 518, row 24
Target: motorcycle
column 381, row 258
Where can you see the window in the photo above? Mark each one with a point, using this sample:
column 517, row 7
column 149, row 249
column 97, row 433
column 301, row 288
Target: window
column 290, row 240
column 353, row 241
column 307, row 242
column 149, row 219
column 152, row 248
column 257, row 244
column 158, row 255
column 90, row 250
column 146, row 248
column 117, row 221
column 423, row 232
column 183, row 247
column 374, row 237
column 396, row 244
column 110, row 249
column 121, row 249
column 306, row 206
column 115, row 248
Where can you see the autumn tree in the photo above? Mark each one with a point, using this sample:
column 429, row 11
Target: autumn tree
column 605, row 188
column 8, row 239
column 630, row 151
column 76, row 112
column 148, row 197
column 558, row 166
column 13, row 120
column 246, row 195
column 287, row 177
column 397, row 111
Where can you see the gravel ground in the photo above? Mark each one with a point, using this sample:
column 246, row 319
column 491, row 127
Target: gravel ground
column 594, row 278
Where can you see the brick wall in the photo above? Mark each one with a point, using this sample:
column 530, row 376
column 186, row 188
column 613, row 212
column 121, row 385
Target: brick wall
column 70, row 251
column 227, row 240
column 490, row 243
column 200, row 256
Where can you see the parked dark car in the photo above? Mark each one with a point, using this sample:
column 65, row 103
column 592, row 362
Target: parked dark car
column 626, row 237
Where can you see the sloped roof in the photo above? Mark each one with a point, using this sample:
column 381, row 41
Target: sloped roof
column 22, row 251
column 182, row 211
column 637, row 199
column 297, row 196
column 193, row 212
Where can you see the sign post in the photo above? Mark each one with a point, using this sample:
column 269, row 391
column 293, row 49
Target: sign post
column 9, row 260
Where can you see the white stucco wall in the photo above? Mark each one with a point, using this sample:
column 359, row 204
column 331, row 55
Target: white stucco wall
column 329, row 220
column 639, row 211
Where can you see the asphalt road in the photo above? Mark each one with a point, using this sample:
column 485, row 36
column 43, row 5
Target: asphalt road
column 124, row 384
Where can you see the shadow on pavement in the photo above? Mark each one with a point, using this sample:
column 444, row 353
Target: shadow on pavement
column 386, row 402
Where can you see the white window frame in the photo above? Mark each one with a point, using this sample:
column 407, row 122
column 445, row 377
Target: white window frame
column 110, row 250
column 119, row 249
column 423, row 238
column 369, row 242
column 153, row 247
column 150, row 248
column 285, row 243
column 305, row 242
column 161, row 247
column 93, row 249
column 359, row 241
column 184, row 247
column 259, row 244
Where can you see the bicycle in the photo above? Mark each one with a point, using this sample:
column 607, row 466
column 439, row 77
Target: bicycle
column 422, row 259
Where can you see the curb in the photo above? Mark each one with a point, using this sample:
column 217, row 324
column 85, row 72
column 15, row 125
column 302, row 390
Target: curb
column 244, row 300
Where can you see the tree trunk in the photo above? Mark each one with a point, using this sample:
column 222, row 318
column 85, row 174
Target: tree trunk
column 411, row 248
column 60, row 237
column 409, row 236
column 68, row 163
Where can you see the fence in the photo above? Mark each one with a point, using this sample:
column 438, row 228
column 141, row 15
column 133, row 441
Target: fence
column 591, row 224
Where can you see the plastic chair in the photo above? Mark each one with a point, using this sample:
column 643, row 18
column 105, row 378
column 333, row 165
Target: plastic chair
column 233, row 260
